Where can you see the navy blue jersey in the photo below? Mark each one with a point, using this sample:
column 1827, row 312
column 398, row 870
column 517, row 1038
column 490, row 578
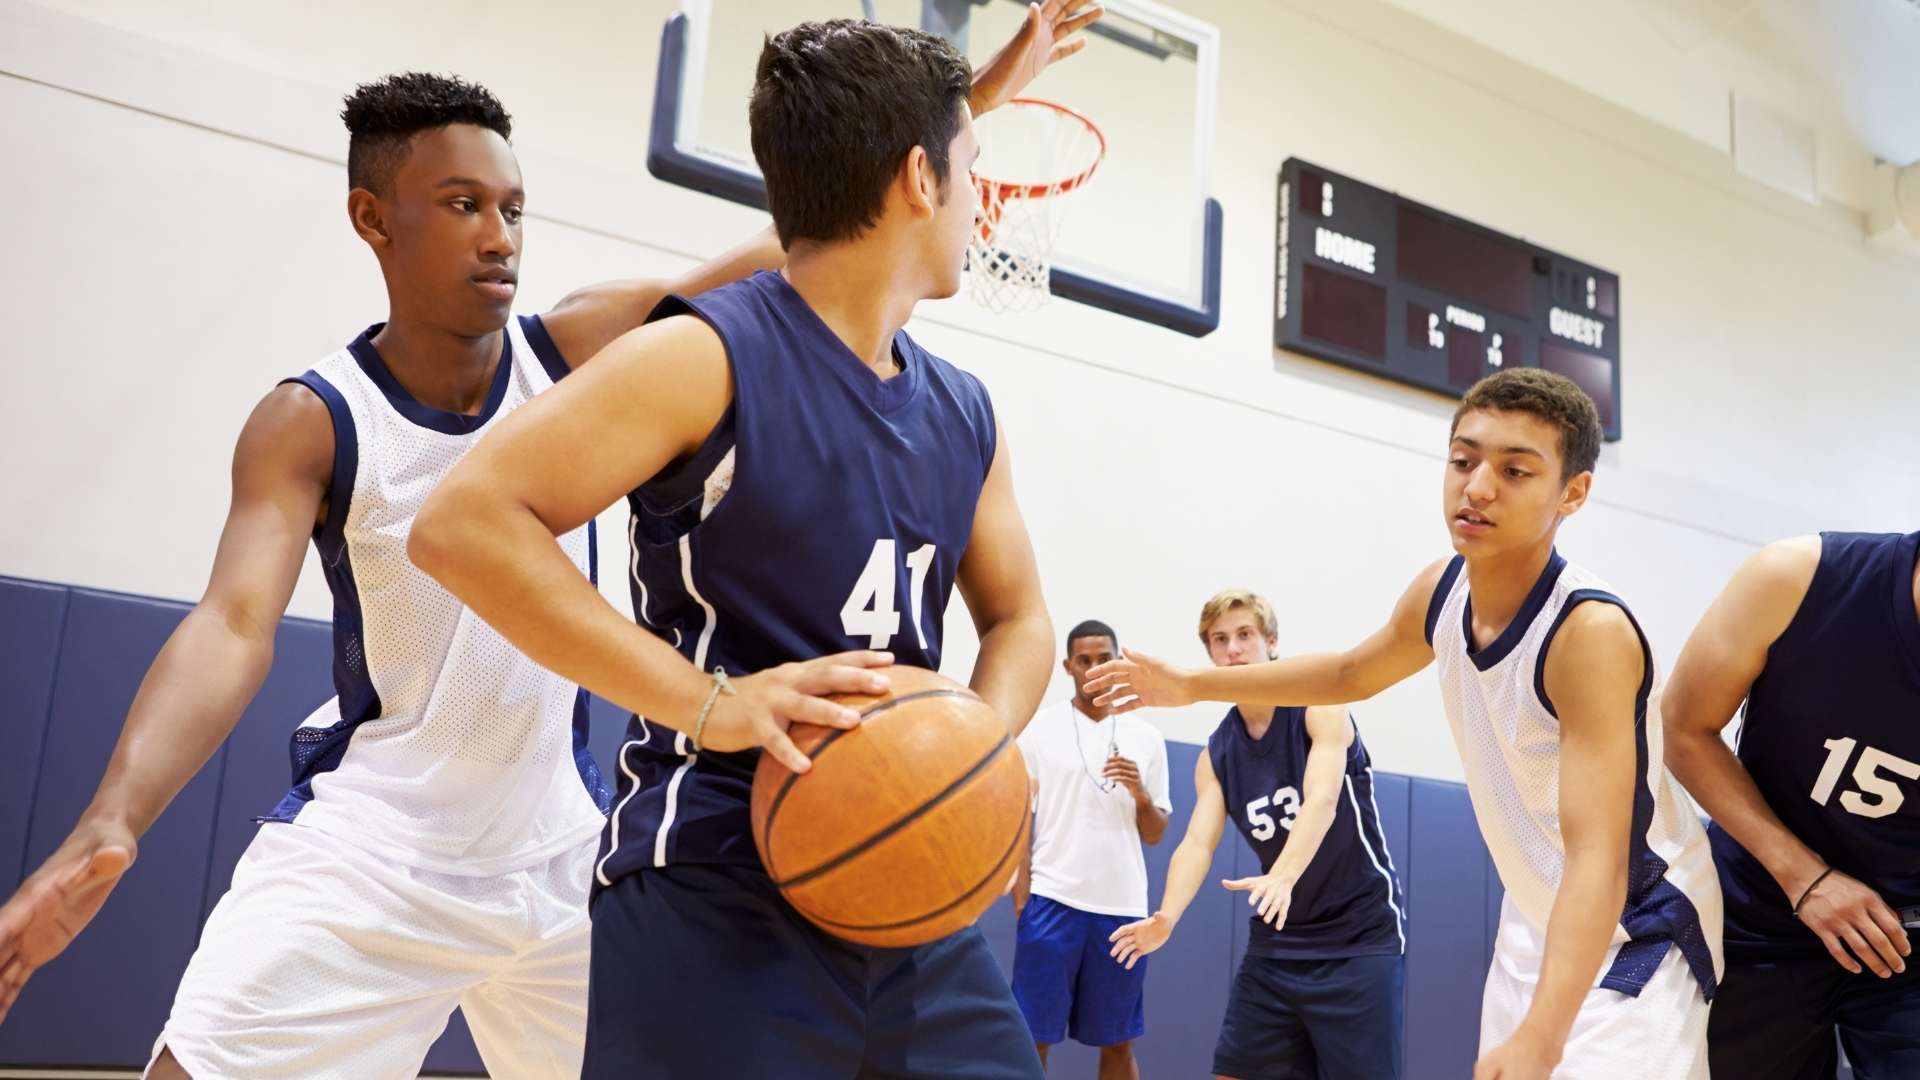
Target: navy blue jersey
column 1831, row 735
column 1348, row 902
column 828, row 511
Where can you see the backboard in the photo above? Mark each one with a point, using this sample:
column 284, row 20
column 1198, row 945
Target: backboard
column 1141, row 239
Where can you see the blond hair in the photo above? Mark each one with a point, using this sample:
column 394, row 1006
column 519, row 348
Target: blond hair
column 1232, row 599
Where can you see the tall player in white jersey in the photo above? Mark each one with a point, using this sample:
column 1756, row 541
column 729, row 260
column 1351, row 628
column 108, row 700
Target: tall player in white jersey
column 1609, row 943
column 433, row 850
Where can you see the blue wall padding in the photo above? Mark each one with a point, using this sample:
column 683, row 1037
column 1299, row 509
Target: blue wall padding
column 125, row 966
column 31, row 617
column 71, row 660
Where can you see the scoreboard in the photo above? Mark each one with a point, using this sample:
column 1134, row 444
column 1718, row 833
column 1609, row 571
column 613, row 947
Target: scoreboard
column 1386, row 285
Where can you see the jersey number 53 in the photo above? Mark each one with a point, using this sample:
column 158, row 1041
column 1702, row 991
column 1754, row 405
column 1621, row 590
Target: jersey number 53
column 1286, row 802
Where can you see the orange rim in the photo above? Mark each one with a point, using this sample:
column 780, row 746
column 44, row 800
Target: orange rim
column 1005, row 190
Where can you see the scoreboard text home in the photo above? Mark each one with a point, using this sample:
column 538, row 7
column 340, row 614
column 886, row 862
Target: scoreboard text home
column 1386, row 285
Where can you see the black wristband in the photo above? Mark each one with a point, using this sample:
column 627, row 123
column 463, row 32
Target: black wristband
column 1809, row 890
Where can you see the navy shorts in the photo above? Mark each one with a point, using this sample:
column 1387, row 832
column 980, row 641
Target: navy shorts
column 1308, row 1019
column 1777, row 1020
column 704, row 971
column 1068, row 983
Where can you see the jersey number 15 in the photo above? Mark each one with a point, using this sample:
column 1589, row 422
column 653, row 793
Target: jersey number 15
column 1886, row 796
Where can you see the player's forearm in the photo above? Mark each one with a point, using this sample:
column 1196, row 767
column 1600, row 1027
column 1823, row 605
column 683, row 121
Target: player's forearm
column 1186, row 872
column 761, row 251
column 1149, row 820
column 1593, row 892
column 187, row 705
column 1014, row 664
column 1318, row 679
column 1709, row 771
column 1309, row 831
column 504, row 563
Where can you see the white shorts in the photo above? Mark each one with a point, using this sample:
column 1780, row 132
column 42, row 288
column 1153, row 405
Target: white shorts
column 325, row 961
column 1659, row 1035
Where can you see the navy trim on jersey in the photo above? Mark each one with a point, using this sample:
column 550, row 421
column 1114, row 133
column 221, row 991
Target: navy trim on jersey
column 590, row 775
column 1440, row 592
column 426, row 416
column 543, row 347
column 1575, row 599
column 1516, row 630
column 1657, row 915
column 315, row 752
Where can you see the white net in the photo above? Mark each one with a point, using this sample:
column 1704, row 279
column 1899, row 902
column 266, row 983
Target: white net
column 1034, row 154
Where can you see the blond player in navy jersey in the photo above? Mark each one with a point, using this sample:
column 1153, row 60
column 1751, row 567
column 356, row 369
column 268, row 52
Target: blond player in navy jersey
column 1319, row 991
column 1609, row 939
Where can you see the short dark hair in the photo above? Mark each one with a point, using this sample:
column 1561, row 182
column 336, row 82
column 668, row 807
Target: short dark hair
column 836, row 106
column 1092, row 628
column 1554, row 398
column 383, row 116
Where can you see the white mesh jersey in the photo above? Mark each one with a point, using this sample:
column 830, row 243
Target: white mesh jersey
column 446, row 749
column 1509, row 740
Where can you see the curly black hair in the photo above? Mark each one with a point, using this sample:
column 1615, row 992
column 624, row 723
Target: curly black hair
column 383, row 116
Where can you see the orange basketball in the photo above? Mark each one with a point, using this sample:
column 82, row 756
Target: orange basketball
column 908, row 826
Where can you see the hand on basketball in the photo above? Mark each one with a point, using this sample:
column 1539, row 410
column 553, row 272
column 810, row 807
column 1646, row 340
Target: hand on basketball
column 1137, row 680
column 766, row 703
column 1519, row 1058
column 58, row 901
column 1853, row 921
column 1044, row 38
column 1123, row 771
column 1268, row 895
column 1137, row 939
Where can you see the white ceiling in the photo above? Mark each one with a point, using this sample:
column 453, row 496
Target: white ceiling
column 1866, row 54
column 1848, row 69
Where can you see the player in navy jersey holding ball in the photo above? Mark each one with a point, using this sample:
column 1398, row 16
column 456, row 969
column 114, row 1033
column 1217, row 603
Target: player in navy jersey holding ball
column 1816, row 817
column 1319, row 992
column 805, row 481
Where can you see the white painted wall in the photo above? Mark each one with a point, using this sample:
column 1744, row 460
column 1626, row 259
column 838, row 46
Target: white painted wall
column 177, row 243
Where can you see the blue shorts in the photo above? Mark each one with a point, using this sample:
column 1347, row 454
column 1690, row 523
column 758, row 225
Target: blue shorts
column 1775, row 1019
column 704, row 971
column 1308, row 1019
column 1068, row 983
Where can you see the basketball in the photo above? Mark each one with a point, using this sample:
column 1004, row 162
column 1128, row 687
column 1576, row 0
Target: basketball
column 907, row 826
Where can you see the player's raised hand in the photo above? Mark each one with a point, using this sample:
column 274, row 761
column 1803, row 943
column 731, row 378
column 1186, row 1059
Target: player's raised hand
column 58, row 901
column 766, row 703
column 1045, row 37
column 1137, row 939
column 1137, row 680
column 1853, row 921
column 1268, row 895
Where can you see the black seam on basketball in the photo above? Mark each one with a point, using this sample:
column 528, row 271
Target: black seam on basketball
column 780, row 796
column 870, row 842
column 942, row 910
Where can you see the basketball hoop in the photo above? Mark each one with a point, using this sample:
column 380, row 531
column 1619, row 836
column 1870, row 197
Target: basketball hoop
column 1040, row 152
